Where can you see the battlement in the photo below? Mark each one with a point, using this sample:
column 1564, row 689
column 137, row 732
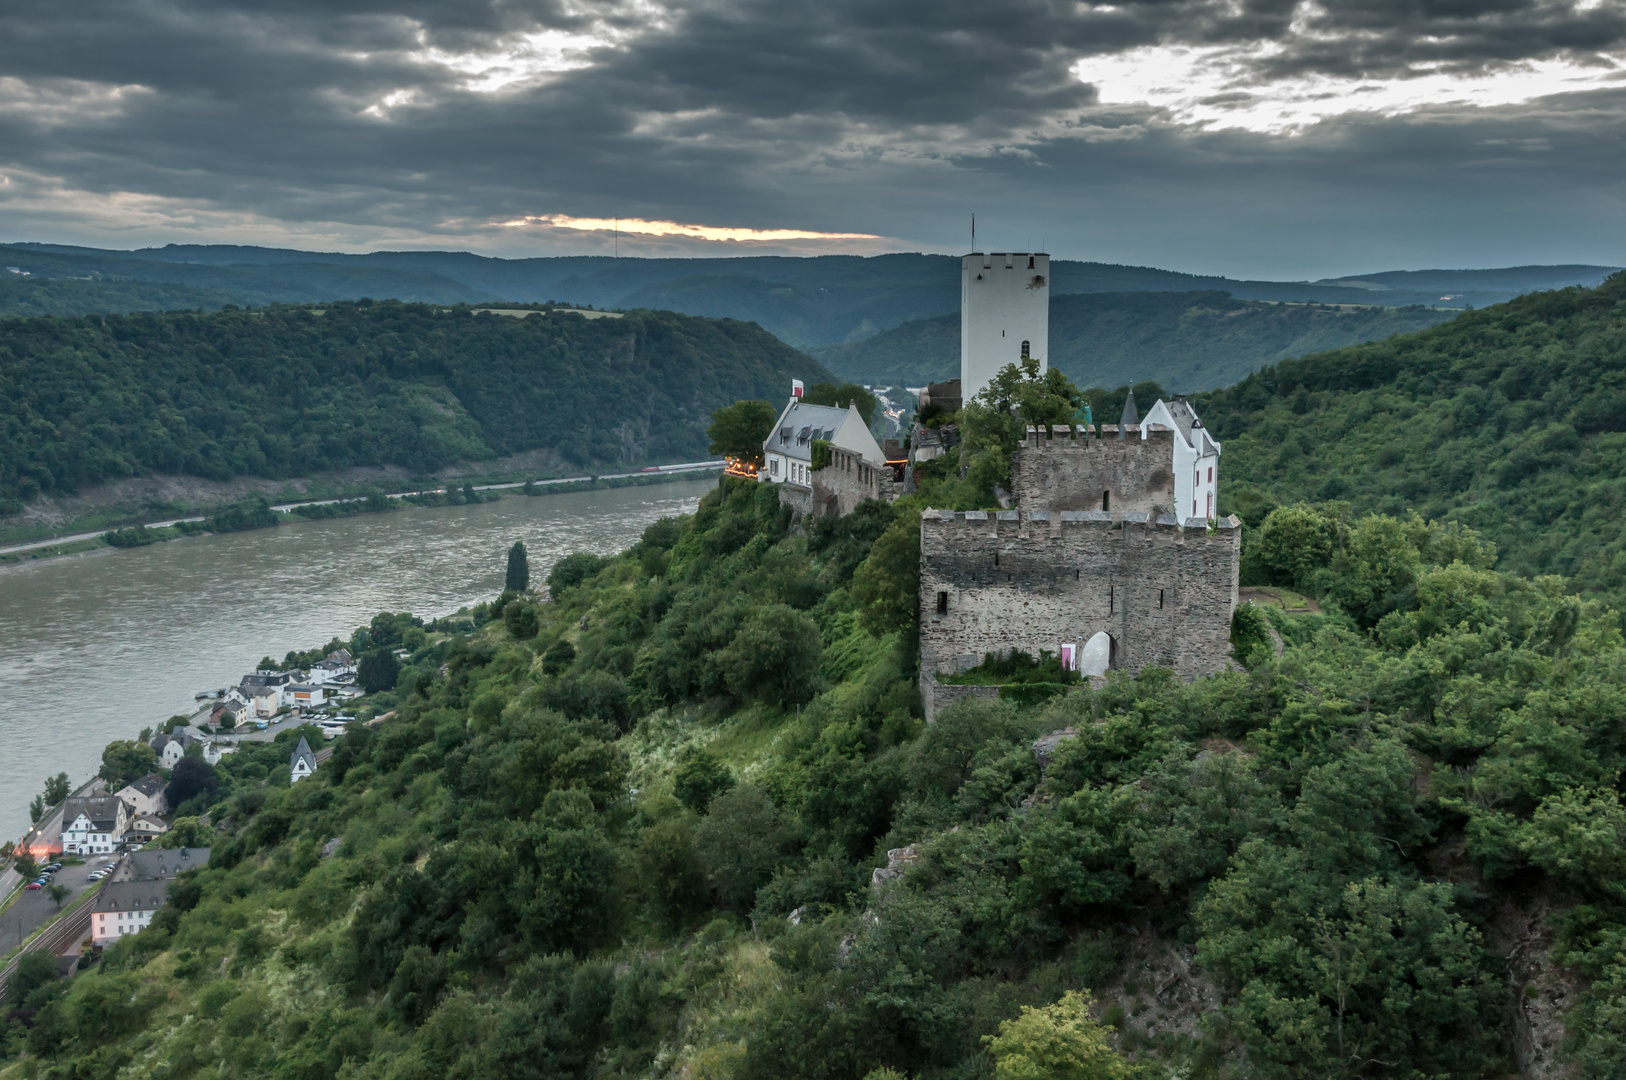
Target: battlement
column 1067, row 436
column 1062, row 519
column 1162, row 591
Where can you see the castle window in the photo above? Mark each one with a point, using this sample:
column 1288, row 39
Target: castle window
column 1030, row 262
column 1025, row 347
column 1111, row 600
column 1160, row 598
column 1106, row 502
column 942, row 603
column 996, row 558
column 1211, row 474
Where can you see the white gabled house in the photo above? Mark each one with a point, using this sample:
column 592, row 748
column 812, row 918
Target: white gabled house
column 302, row 763
column 124, row 907
column 1196, row 457
column 145, row 796
column 787, row 454
column 95, row 825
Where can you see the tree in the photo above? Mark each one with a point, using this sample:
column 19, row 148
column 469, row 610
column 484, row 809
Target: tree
column 887, row 583
column 1292, row 546
column 34, row 970
column 574, row 569
column 840, row 395
column 700, row 777
column 125, row 761
column 775, row 657
column 191, row 776
column 740, row 840
column 36, row 809
column 519, row 569
column 57, row 789
column 521, row 620
column 378, row 671
column 1057, row 1042
column 739, row 430
column 58, row 893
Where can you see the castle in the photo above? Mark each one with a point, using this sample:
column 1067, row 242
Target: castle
column 1112, row 556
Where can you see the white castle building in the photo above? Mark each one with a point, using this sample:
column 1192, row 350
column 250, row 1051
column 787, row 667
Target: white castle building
column 1004, row 314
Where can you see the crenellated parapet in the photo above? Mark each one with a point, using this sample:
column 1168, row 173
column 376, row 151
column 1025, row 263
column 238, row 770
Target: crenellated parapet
column 1161, row 589
column 1093, row 468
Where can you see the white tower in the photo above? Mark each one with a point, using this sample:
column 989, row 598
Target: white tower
column 1004, row 315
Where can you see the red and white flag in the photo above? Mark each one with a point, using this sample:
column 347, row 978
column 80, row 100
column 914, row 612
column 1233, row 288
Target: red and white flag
column 796, row 388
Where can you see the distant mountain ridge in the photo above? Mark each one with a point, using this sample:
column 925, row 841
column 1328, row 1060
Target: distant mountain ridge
column 290, row 391
column 807, row 302
column 1186, row 341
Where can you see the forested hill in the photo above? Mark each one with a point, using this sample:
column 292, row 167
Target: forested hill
column 1184, row 340
column 1511, row 420
column 286, row 391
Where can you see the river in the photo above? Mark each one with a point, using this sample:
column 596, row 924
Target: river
column 97, row 647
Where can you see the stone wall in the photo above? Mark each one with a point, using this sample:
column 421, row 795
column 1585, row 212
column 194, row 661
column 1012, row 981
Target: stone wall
column 848, row 480
column 936, row 696
column 1071, row 468
column 992, row 582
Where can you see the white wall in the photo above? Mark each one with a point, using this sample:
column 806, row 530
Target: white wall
column 1004, row 301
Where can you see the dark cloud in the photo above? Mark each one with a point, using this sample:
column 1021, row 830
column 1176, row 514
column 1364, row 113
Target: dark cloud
column 375, row 124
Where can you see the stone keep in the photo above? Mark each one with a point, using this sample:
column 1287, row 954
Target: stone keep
column 1004, row 314
column 1033, row 580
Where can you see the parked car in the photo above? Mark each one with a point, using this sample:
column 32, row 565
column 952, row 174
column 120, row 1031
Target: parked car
column 54, row 867
column 34, row 885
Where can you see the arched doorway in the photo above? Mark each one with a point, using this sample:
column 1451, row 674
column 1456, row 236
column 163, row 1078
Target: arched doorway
column 1098, row 655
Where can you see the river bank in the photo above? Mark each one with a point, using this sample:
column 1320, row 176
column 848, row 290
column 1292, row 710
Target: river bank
column 250, row 515
column 99, row 648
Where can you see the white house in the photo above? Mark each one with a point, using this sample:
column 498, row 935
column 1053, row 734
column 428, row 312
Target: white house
column 214, row 751
column 787, row 455
column 1004, row 314
column 147, row 826
column 1196, row 457
column 145, row 796
column 333, row 667
column 124, row 907
column 95, row 825
column 304, row 695
column 171, row 747
column 302, row 763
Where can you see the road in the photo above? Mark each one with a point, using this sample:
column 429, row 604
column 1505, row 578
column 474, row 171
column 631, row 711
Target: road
column 36, row 907
column 688, row 466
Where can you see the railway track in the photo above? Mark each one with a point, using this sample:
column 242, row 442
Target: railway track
column 58, row 938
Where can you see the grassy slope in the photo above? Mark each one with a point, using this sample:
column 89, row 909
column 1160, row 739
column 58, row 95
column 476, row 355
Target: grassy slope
column 1511, row 420
column 288, row 391
column 1188, row 341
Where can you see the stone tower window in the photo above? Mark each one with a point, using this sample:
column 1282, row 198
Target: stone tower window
column 1111, row 600
column 996, row 558
column 1160, row 598
column 942, row 603
column 1106, row 502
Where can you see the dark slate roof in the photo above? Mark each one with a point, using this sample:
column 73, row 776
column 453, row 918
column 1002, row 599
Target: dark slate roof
column 162, row 864
column 130, row 896
column 103, row 811
column 1183, row 415
column 303, row 750
column 148, row 785
column 1131, row 414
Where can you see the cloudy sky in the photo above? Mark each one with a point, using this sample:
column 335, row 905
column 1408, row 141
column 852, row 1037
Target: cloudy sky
column 1266, row 138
